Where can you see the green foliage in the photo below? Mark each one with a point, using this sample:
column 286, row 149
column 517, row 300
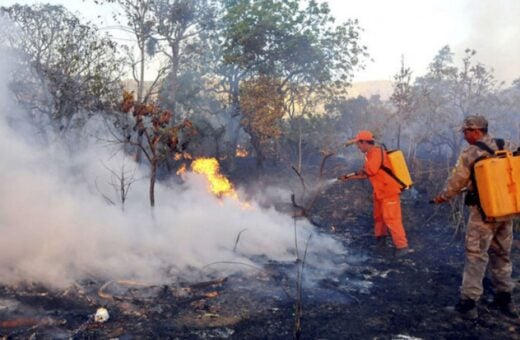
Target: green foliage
column 297, row 42
column 76, row 66
column 360, row 113
column 302, row 45
column 262, row 108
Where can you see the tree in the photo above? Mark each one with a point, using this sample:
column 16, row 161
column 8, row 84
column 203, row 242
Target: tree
column 162, row 140
column 74, row 69
column 140, row 23
column 447, row 94
column 262, row 108
column 506, row 114
column 353, row 114
column 302, row 46
column 180, row 25
column 402, row 98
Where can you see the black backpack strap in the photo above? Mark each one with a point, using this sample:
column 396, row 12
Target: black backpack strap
column 389, row 171
column 500, row 143
column 483, row 146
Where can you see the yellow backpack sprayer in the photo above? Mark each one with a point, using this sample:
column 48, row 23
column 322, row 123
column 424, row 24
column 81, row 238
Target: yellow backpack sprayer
column 399, row 170
column 497, row 181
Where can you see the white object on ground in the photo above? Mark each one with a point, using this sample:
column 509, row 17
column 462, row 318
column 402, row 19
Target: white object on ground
column 101, row 315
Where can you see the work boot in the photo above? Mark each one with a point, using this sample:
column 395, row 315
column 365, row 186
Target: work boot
column 400, row 252
column 505, row 304
column 467, row 308
column 381, row 242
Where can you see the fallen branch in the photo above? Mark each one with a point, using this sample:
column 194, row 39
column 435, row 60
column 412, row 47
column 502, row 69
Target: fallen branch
column 110, row 297
column 201, row 285
column 30, row 322
column 237, row 239
column 232, row 262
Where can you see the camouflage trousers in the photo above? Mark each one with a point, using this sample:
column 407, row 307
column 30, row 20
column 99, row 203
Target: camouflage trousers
column 487, row 243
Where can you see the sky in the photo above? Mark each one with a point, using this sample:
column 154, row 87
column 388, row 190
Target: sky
column 414, row 29
column 418, row 29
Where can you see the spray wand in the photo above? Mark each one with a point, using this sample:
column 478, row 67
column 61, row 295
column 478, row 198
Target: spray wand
column 464, row 190
column 346, row 176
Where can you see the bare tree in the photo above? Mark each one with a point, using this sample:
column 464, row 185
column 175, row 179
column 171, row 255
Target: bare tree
column 74, row 68
column 179, row 25
column 446, row 94
column 403, row 99
column 140, row 24
column 121, row 182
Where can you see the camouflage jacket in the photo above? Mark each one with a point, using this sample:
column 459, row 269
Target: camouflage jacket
column 460, row 177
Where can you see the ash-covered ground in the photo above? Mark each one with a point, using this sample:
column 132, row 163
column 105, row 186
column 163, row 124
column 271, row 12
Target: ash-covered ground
column 371, row 295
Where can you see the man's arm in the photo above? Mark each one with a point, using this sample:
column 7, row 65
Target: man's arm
column 458, row 180
column 373, row 162
column 353, row 175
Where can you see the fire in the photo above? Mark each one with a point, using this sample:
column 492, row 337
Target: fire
column 241, row 151
column 219, row 184
column 181, row 155
column 182, row 170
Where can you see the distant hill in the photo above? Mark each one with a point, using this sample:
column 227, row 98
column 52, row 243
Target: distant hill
column 383, row 88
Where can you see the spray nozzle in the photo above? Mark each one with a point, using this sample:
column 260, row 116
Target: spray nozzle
column 346, row 176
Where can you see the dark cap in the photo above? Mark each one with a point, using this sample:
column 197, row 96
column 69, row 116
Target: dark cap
column 474, row 122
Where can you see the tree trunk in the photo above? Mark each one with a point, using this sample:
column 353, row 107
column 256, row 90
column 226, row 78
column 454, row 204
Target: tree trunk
column 173, row 79
column 255, row 142
column 140, row 90
column 300, row 147
column 140, row 86
column 153, row 176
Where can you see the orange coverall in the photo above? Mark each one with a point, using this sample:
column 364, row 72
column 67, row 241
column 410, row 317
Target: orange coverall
column 387, row 204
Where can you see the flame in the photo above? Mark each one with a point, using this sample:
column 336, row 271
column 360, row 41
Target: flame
column 241, row 151
column 181, row 155
column 182, row 170
column 219, row 184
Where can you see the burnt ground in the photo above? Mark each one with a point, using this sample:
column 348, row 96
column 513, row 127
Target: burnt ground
column 376, row 297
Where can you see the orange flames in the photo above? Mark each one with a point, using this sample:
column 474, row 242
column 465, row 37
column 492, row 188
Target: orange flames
column 182, row 170
column 241, row 152
column 219, row 185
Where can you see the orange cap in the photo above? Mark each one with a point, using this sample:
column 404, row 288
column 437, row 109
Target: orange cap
column 362, row 135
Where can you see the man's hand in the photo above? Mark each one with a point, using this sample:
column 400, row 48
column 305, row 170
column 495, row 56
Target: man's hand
column 353, row 175
column 346, row 177
column 439, row 199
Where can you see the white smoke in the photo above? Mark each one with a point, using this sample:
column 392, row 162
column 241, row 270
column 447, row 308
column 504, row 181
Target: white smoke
column 56, row 227
column 493, row 33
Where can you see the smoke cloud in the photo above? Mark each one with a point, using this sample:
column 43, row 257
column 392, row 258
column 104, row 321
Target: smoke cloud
column 56, row 226
column 493, row 33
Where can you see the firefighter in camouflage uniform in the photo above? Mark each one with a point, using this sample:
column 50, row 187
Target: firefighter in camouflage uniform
column 487, row 241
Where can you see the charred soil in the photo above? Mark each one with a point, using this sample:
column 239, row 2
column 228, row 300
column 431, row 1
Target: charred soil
column 377, row 296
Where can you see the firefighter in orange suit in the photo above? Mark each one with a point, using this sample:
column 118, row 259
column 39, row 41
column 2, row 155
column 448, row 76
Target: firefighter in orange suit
column 387, row 205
